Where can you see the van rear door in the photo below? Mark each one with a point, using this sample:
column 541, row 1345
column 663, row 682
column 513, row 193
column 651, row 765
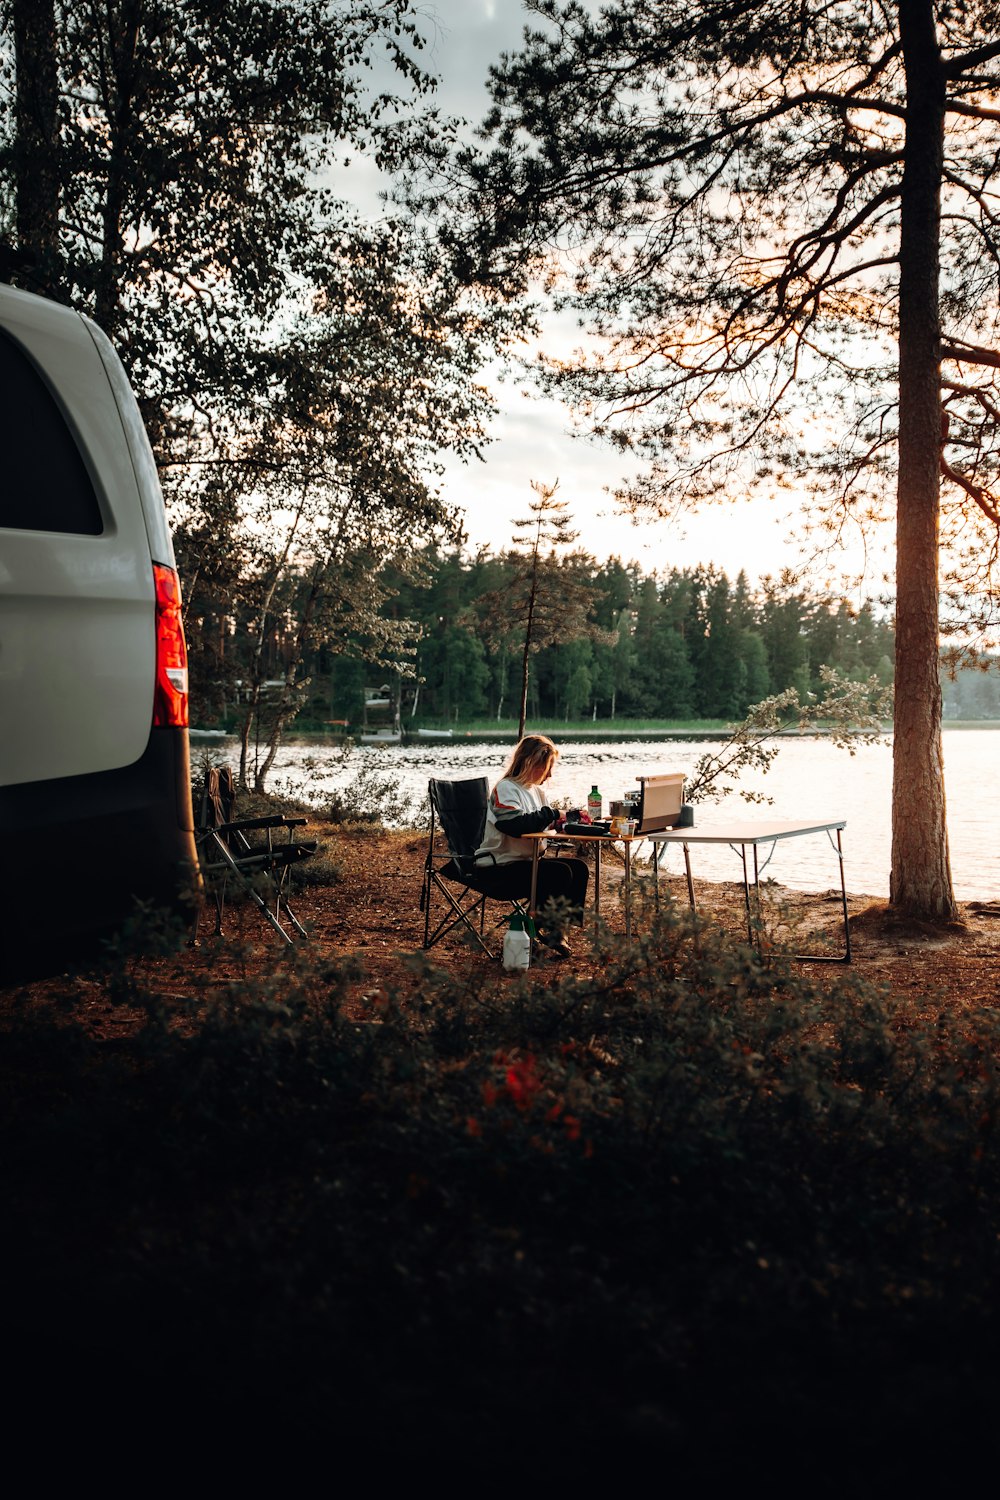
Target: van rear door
column 95, row 777
column 77, row 618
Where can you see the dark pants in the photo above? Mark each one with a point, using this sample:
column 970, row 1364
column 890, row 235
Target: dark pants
column 564, row 879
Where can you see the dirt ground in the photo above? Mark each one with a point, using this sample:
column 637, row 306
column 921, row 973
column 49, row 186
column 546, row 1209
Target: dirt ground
column 372, row 911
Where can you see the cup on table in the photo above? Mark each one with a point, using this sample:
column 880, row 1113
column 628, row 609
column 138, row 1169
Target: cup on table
column 631, row 824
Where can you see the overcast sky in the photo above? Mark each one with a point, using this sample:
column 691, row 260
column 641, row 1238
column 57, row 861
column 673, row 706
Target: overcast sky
column 531, row 437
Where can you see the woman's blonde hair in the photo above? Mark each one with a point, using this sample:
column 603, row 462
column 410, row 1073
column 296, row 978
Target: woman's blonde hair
column 532, row 757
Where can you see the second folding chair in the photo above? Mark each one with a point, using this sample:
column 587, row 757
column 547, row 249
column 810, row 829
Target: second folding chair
column 260, row 869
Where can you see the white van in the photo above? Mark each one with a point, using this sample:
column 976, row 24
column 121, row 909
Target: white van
column 95, row 798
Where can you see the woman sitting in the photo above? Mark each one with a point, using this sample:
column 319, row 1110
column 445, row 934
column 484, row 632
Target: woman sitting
column 517, row 806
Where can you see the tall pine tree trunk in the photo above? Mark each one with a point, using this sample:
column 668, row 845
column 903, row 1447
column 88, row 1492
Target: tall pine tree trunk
column 920, row 883
column 36, row 143
column 121, row 108
column 287, row 707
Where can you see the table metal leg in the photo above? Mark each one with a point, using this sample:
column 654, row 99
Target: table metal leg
column 658, row 851
column 811, row 958
column 687, row 868
column 628, row 890
column 843, row 900
column 758, row 913
column 834, row 958
column 746, row 889
column 533, row 897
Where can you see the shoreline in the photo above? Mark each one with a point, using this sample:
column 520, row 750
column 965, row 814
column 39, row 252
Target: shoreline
column 608, row 735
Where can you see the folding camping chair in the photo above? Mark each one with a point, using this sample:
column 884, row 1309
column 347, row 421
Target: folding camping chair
column 460, row 809
column 260, row 868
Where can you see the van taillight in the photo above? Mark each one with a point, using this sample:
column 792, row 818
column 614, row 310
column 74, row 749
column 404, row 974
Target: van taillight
column 170, row 699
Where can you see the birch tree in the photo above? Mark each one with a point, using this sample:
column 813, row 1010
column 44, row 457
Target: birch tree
column 178, row 169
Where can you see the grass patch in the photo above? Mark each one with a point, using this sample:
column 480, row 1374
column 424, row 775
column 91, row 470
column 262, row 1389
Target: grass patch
column 587, row 726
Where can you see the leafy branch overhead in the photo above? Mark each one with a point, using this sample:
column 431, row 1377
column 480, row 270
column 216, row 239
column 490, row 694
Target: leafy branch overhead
column 850, row 713
column 776, row 224
column 180, row 170
column 717, row 192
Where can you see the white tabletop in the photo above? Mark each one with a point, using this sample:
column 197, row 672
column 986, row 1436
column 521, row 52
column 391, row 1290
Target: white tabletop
column 760, row 832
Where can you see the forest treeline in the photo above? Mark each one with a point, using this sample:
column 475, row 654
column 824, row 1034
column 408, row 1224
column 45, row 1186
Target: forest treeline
column 685, row 644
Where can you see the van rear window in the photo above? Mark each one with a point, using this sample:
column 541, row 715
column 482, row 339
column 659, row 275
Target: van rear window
column 46, row 484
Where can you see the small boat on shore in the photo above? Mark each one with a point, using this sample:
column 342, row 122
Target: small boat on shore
column 382, row 737
column 429, row 734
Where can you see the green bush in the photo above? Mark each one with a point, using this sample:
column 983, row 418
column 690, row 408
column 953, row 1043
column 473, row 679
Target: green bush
column 373, row 797
column 320, row 869
column 694, row 1191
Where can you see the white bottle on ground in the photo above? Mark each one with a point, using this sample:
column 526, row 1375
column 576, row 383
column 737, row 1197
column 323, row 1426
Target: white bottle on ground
column 516, row 945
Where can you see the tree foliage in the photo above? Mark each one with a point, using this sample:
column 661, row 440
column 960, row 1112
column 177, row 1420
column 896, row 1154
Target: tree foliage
column 182, row 176
column 189, row 162
column 716, row 188
column 776, row 221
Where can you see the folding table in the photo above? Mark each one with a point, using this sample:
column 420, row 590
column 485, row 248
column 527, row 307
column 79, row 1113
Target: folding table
column 597, row 839
column 741, row 836
column 659, row 806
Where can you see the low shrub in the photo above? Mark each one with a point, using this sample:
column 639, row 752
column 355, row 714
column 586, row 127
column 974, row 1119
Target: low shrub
column 320, row 869
column 373, row 798
column 694, row 1193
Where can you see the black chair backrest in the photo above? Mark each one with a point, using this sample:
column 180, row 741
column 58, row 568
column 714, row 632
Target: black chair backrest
column 218, row 807
column 460, row 808
column 218, row 803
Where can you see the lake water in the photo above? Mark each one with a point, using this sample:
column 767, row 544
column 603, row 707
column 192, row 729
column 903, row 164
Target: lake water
column 810, row 778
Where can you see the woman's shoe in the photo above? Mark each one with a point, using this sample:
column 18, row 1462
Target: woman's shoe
column 556, row 944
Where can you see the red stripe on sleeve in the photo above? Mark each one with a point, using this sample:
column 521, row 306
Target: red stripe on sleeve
column 504, row 806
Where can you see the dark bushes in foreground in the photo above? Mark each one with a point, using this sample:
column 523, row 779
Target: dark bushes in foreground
column 698, row 1197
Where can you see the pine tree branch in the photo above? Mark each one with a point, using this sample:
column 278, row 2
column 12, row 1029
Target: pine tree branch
column 982, row 497
column 969, row 354
column 958, row 67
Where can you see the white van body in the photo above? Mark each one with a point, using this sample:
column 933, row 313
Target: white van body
column 97, row 798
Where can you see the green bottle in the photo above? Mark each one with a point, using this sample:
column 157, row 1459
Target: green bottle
column 595, row 803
